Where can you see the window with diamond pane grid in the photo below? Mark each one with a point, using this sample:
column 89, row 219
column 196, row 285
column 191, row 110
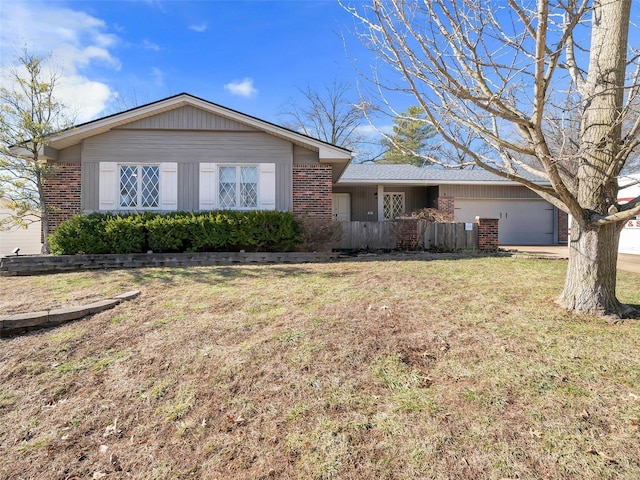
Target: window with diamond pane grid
column 150, row 188
column 238, row 187
column 393, row 205
column 139, row 186
column 128, row 186
column 227, row 192
column 248, row 187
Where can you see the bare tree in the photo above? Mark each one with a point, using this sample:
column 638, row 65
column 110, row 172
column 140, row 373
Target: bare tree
column 332, row 115
column 517, row 77
column 29, row 114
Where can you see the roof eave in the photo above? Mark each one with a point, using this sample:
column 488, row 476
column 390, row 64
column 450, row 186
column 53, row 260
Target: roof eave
column 327, row 153
column 431, row 182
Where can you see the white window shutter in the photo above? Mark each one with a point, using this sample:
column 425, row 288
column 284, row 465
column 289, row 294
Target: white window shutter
column 168, row 186
column 108, row 186
column 267, row 186
column 208, row 187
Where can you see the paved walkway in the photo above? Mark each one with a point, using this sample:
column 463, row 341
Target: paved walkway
column 626, row 262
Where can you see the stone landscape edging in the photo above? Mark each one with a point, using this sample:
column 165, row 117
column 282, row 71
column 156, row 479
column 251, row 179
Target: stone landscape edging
column 39, row 264
column 23, row 322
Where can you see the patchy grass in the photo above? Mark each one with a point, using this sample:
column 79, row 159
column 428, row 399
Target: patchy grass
column 459, row 369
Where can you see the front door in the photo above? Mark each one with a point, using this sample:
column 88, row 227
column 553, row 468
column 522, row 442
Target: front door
column 342, row 207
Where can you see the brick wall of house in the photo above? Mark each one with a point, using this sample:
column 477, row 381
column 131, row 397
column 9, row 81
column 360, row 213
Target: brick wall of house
column 446, row 205
column 487, row 233
column 312, row 186
column 62, row 192
column 563, row 227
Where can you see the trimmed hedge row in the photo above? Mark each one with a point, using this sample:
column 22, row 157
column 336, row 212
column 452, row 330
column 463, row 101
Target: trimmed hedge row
column 176, row 232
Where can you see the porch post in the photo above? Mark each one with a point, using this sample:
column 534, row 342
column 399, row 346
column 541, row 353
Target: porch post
column 380, row 203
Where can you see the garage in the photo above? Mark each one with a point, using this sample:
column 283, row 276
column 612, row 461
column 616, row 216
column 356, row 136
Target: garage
column 522, row 222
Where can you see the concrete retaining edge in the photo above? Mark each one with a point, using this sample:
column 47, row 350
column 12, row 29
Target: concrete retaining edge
column 23, row 322
column 39, row 264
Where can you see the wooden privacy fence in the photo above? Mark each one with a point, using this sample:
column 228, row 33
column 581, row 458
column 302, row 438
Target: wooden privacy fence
column 447, row 236
column 423, row 235
column 368, row 236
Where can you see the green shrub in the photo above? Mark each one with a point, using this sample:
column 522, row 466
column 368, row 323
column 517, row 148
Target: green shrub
column 166, row 233
column 80, row 234
column 126, row 233
column 177, row 232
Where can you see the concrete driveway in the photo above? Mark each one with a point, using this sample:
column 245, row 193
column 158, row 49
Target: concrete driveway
column 626, row 262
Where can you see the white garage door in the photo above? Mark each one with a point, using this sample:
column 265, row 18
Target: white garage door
column 522, row 222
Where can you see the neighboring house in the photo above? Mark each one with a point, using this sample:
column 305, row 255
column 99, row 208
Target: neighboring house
column 188, row 154
column 377, row 192
column 630, row 234
column 26, row 239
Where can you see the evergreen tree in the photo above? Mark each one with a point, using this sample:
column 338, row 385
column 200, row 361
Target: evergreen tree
column 409, row 140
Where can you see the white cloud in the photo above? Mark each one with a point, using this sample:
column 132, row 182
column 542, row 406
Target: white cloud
column 202, row 27
column 243, row 89
column 373, row 131
column 149, row 45
column 158, row 75
column 74, row 40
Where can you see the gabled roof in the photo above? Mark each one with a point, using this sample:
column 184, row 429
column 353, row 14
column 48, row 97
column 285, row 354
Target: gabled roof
column 327, row 152
column 403, row 174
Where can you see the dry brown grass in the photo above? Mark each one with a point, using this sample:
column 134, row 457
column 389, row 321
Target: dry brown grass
column 460, row 369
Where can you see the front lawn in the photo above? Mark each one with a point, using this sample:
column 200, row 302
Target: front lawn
column 461, row 369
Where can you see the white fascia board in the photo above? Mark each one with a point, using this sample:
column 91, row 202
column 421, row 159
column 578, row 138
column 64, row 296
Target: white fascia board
column 332, row 154
column 45, row 152
column 428, row 183
column 507, row 183
column 373, row 183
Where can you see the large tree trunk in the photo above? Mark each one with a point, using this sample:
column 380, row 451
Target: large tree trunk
column 590, row 284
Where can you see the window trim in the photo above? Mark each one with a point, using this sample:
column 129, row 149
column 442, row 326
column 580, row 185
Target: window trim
column 238, row 167
column 402, row 194
column 139, row 167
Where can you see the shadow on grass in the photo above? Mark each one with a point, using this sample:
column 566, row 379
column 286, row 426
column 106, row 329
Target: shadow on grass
column 216, row 275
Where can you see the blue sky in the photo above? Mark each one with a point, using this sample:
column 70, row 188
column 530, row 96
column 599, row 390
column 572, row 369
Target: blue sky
column 251, row 56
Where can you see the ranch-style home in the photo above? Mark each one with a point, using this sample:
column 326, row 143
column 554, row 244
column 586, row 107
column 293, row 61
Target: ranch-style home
column 378, row 192
column 185, row 153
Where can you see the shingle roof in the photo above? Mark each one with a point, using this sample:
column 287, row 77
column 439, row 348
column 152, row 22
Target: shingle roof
column 402, row 173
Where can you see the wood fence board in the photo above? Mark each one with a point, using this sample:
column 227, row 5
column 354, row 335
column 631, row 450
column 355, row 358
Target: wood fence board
column 431, row 235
